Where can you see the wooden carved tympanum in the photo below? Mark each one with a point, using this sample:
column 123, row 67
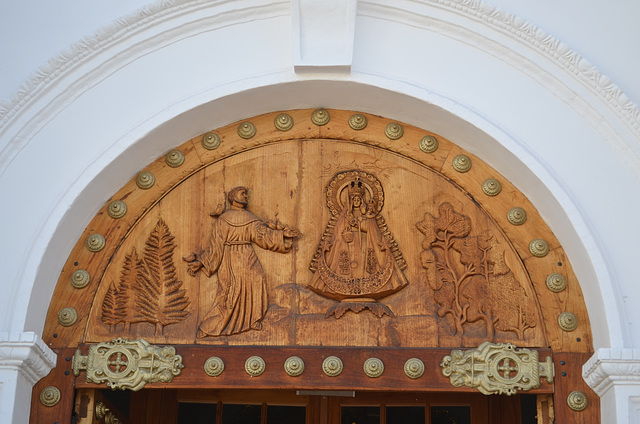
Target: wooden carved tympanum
column 241, row 298
column 470, row 278
column 357, row 261
column 148, row 290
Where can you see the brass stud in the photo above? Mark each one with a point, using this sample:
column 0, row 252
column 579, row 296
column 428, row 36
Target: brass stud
column 491, row 187
column 517, row 216
column 211, row 141
column 284, row 122
column 80, row 278
column 246, row 130
column 373, row 367
column 556, row 282
column 357, row 121
column 539, row 248
column 95, row 242
column 117, row 209
column 67, row 317
column 145, row 180
column 50, row 396
column 255, row 366
column 320, row 117
column 414, row 368
column 577, row 400
column 394, row 131
column 568, row 321
column 174, row 158
column 101, row 410
column 332, row 366
column 214, row 366
column 461, row 163
column 294, row 366
column 428, row 144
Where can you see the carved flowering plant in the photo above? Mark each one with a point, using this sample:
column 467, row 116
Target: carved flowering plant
column 469, row 277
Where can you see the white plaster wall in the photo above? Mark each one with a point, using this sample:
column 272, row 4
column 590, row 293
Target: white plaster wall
column 528, row 106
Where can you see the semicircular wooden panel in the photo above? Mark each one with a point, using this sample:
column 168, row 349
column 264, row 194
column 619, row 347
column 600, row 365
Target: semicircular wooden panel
column 340, row 237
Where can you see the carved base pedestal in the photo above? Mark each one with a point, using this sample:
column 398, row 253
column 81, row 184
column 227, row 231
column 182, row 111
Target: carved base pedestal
column 358, row 305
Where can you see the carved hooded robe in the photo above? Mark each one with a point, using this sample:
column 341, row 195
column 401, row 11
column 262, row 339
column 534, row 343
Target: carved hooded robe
column 241, row 299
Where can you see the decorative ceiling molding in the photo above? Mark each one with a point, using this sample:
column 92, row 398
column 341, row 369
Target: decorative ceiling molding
column 576, row 66
column 120, row 30
column 165, row 10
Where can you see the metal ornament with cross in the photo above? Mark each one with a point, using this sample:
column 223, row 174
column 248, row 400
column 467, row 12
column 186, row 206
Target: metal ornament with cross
column 497, row 368
column 128, row 364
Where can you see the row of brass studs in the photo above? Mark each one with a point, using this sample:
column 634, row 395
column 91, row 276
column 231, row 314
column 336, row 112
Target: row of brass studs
column 332, row 366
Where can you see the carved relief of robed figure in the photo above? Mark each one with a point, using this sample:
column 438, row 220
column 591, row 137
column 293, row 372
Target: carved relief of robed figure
column 241, row 298
column 358, row 261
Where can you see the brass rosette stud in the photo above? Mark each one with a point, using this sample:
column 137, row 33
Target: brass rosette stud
column 211, row 141
column 394, row 131
column 577, row 400
column 556, row 282
column 255, row 366
column 294, row 366
column 50, row 396
column 214, row 366
column 539, row 248
column 174, row 158
column 428, row 144
column 373, row 367
column 358, row 121
column 491, row 187
column 320, row 117
column 80, row 278
column 283, row 122
column 414, row 368
column 568, row 321
column 461, row 163
column 145, row 180
column 101, row 410
column 95, row 242
column 247, row 130
column 517, row 216
column 332, row 366
column 67, row 317
column 117, row 209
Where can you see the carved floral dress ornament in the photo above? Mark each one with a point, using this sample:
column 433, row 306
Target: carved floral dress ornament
column 357, row 262
column 241, row 299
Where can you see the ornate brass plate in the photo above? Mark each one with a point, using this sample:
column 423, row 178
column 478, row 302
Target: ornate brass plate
column 497, row 368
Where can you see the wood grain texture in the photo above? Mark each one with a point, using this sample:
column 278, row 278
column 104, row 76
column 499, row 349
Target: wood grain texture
column 352, row 377
column 287, row 173
column 62, row 378
column 568, row 379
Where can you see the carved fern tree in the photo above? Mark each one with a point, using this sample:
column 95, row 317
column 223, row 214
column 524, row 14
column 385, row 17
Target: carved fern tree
column 148, row 290
column 160, row 298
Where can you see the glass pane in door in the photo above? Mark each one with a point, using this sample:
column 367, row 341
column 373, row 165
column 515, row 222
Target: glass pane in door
column 197, row 413
column 405, row 414
column 450, row 415
column 277, row 414
column 360, row 415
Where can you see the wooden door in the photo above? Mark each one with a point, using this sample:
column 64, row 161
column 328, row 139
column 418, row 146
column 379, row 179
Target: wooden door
column 301, row 407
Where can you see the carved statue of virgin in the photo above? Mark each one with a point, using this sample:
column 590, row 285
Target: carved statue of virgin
column 357, row 261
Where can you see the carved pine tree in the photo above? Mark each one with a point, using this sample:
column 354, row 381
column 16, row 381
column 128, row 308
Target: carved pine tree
column 160, row 298
column 111, row 314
